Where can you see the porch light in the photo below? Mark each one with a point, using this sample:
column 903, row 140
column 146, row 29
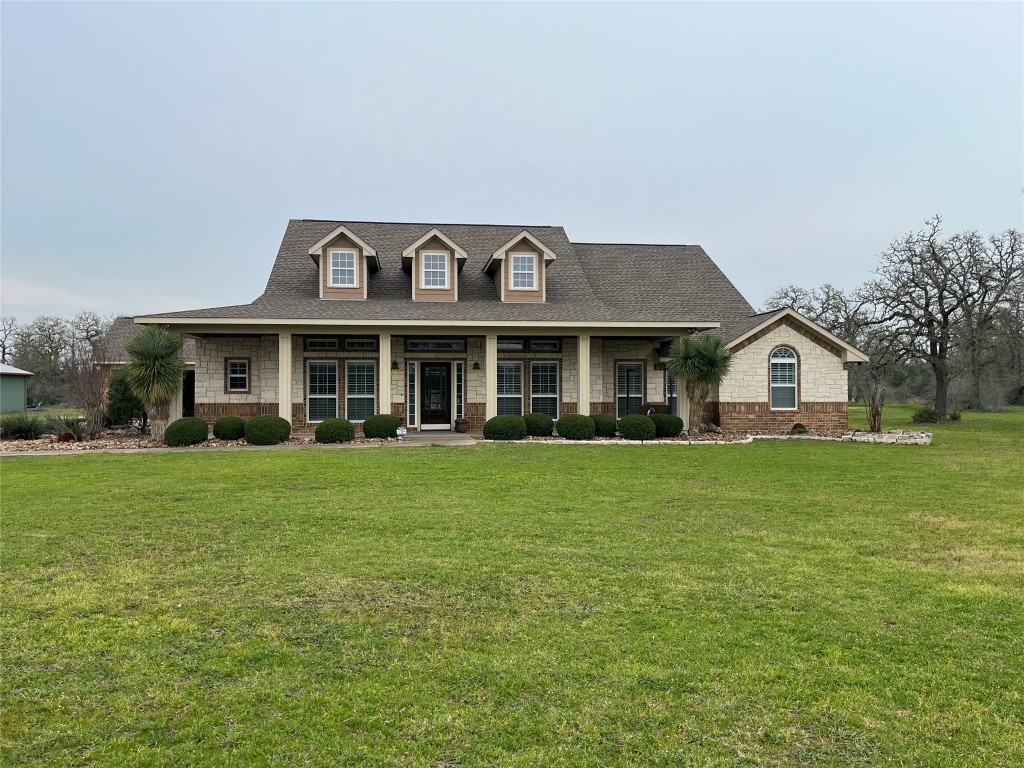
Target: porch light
column 476, row 366
column 394, row 365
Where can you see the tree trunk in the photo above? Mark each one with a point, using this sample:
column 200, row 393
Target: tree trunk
column 974, row 364
column 876, row 399
column 697, row 395
column 941, row 389
column 158, row 421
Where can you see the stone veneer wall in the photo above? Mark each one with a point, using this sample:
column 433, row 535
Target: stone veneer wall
column 212, row 399
column 742, row 401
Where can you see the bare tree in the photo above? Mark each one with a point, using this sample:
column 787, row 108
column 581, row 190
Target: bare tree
column 918, row 301
column 87, row 383
column 833, row 309
column 8, row 335
column 995, row 270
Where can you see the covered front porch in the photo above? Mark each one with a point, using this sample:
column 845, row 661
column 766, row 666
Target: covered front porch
column 435, row 378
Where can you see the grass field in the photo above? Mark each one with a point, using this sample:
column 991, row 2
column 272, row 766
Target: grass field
column 790, row 603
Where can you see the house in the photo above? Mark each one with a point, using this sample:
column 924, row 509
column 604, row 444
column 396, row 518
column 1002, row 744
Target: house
column 13, row 387
column 114, row 356
column 437, row 322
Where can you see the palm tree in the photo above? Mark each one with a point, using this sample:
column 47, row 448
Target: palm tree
column 701, row 365
column 154, row 372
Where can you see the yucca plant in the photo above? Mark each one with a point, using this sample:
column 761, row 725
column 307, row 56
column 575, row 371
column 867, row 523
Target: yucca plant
column 701, row 364
column 21, row 426
column 154, row 372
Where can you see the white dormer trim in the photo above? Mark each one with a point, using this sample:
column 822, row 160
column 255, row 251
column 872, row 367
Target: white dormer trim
column 499, row 255
column 460, row 253
column 369, row 252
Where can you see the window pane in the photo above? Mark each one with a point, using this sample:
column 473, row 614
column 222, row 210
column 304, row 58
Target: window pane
column 323, row 379
column 548, row 405
column 343, row 268
column 784, row 397
column 510, row 406
column 522, row 271
column 361, row 379
column 783, row 373
column 321, row 408
column 360, row 408
column 510, row 379
column 545, row 379
column 460, row 411
column 435, row 270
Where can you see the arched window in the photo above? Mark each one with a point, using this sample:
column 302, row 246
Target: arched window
column 783, row 379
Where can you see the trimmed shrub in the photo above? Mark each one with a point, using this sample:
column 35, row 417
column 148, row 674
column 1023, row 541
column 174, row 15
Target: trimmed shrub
column 382, row 425
column 229, row 428
column 924, row 415
column 576, row 426
column 267, row 430
column 187, row 431
column 666, row 425
column 22, row 426
column 539, row 424
column 637, row 427
column 604, row 425
column 505, row 428
column 335, row 431
column 72, row 424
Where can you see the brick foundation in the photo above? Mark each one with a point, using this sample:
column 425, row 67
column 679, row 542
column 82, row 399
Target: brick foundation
column 758, row 417
column 213, row 411
column 608, row 409
column 476, row 415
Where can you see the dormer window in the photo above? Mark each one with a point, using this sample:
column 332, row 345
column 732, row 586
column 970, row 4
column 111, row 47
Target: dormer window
column 520, row 269
column 434, row 268
column 524, row 271
column 344, row 272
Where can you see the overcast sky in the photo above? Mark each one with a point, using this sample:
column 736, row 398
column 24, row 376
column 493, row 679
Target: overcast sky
column 152, row 154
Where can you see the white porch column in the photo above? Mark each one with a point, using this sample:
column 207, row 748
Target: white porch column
column 284, row 376
column 583, row 363
column 682, row 400
column 491, row 376
column 174, row 408
column 384, row 377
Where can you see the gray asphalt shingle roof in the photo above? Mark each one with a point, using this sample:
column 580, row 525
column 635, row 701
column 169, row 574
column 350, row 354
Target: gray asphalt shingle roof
column 586, row 282
column 122, row 329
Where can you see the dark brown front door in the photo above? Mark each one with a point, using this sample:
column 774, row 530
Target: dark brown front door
column 436, row 403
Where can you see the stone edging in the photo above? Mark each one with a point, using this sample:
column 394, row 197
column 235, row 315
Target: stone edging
column 884, row 438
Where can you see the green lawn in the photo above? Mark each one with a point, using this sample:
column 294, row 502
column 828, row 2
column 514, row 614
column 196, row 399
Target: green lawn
column 781, row 603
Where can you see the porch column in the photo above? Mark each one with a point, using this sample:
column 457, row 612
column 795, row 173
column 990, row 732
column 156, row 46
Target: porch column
column 284, row 376
column 175, row 407
column 491, row 376
column 384, row 389
column 583, row 350
column 682, row 401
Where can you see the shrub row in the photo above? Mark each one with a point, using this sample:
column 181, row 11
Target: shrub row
column 538, row 424
column 382, row 425
column 267, row 430
column 229, row 428
column 574, row 426
column 637, row 427
column 505, row 428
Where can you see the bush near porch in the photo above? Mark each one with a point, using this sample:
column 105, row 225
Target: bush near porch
column 520, row 605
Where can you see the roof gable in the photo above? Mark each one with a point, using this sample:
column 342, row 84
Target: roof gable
column 848, row 352
column 499, row 255
column 317, row 250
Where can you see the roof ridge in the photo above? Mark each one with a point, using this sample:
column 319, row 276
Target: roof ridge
column 431, row 223
column 645, row 245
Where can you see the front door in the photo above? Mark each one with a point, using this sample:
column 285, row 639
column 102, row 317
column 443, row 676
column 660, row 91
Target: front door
column 436, row 402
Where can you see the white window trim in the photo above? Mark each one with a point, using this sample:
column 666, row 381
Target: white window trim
column 512, row 271
column 371, row 397
column 558, row 386
column 321, row 397
column 412, row 393
column 244, row 362
column 355, row 267
column 795, row 362
column 447, row 271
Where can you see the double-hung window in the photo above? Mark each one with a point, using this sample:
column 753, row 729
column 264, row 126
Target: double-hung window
column 360, row 389
column 343, row 269
column 783, row 379
column 321, row 390
column 510, row 389
column 629, row 388
column 544, row 388
column 238, row 376
column 524, row 271
column 434, row 269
